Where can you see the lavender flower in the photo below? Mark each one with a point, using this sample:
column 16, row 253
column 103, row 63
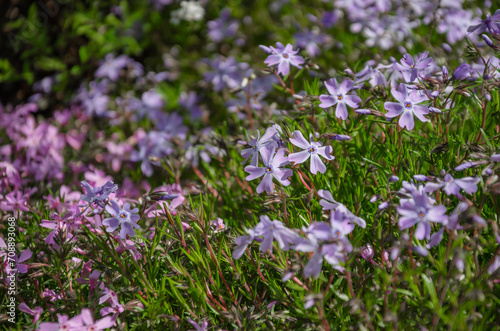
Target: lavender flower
column 339, row 97
column 257, row 143
column 490, row 24
column 407, row 106
column 283, row 56
column 276, row 230
column 328, row 203
column 121, row 216
column 452, row 186
column 223, row 27
column 97, row 194
column 463, row 72
column 272, row 168
column 242, row 243
column 411, row 68
column 310, row 149
column 419, row 210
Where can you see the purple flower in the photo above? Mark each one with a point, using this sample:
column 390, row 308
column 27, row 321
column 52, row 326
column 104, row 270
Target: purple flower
column 242, row 243
column 272, row 168
column 98, row 194
column 310, row 149
column 407, row 106
column 274, row 230
column 411, row 68
column 63, row 323
column 112, row 67
column 463, row 71
column 283, row 56
column 226, row 73
column 197, row 327
column 328, row 203
column 121, row 216
column 257, row 143
column 222, row 27
column 36, row 313
column 339, row 97
column 89, row 324
column 489, row 24
column 419, row 210
column 452, row 186
column 310, row 39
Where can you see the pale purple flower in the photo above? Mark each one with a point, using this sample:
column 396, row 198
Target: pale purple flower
column 329, row 203
column 226, row 73
column 272, row 168
column 197, row 327
column 463, row 72
column 407, row 106
column 16, row 202
column 419, row 210
column 494, row 266
column 411, row 68
column 111, row 67
column 274, row 230
column 242, row 243
column 283, row 57
column 452, row 186
column 310, row 41
column 218, row 224
column 490, row 24
column 223, row 27
column 89, row 324
column 311, row 149
column 63, row 323
column 257, row 143
column 97, row 194
column 125, row 217
column 339, row 97
column 36, row 313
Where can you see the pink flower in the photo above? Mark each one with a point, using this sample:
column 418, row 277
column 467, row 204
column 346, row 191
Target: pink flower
column 311, row 149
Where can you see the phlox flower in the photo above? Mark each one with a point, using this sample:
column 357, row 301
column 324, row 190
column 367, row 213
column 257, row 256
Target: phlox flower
column 125, row 217
column 411, row 68
column 418, row 210
column 453, row 186
column 63, row 323
column 329, row 203
column 265, row 140
column 311, row 149
column 272, row 168
column 276, row 230
column 490, row 24
column 283, row 57
column 407, row 105
column 339, row 97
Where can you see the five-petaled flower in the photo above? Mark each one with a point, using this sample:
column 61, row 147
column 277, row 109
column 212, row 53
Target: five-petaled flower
column 411, row 68
column 272, row 168
column 310, row 149
column 283, row 56
column 339, row 97
column 419, row 210
column 125, row 217
column 408, row 106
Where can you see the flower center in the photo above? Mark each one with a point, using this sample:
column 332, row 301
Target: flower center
column 408, row 104
column 340, row 97
column 337, row 233
column 420, row 214
column 285, row 55
column 311, row 149
column 269, row 169
column 449, row 180
column 411, row 66
column 123, row 215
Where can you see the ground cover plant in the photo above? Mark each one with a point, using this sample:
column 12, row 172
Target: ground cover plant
column 256, row 165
